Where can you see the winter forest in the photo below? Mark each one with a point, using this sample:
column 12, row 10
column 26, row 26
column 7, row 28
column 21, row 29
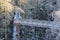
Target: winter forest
column 29, row 19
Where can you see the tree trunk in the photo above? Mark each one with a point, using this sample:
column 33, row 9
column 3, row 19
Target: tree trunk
column 5, row 31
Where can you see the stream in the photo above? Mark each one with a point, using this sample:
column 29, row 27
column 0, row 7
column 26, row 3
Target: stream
column 14, row 33
column 17, row 17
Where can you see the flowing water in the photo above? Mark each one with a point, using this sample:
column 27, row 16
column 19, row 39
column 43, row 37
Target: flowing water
column 17, row 17
column 14, row 33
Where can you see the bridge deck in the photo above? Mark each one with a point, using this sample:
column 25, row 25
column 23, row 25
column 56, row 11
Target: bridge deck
column 32, row 22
